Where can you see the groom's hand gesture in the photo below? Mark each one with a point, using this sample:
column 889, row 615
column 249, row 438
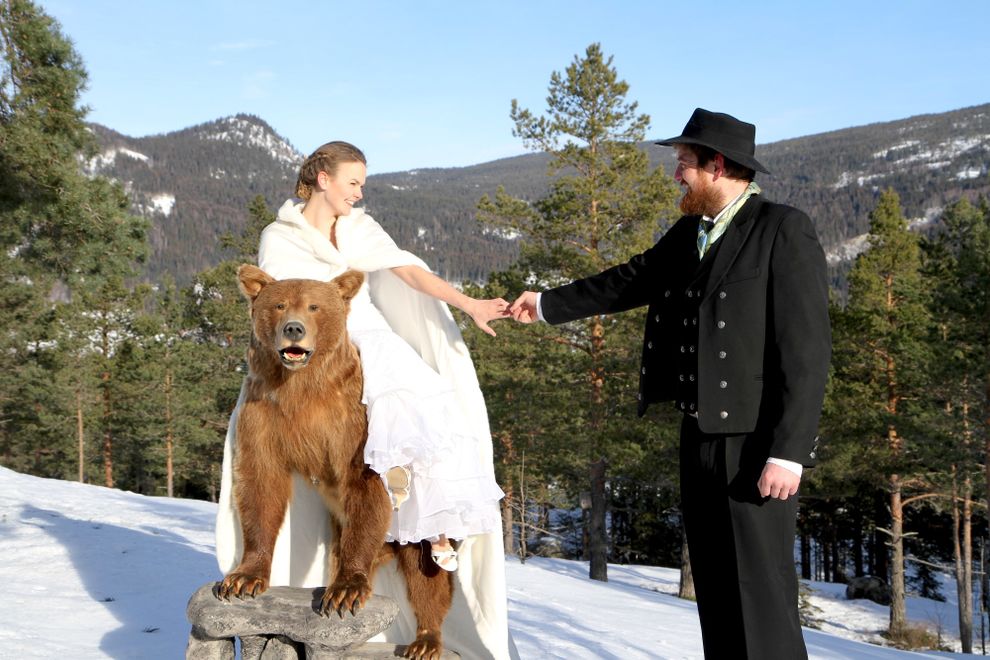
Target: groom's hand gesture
column 524, row 308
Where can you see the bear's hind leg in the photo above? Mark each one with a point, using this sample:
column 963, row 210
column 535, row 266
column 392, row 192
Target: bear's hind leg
column 430, row 591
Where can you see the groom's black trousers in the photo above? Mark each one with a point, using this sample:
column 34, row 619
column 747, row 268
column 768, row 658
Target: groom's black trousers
column 741, row 548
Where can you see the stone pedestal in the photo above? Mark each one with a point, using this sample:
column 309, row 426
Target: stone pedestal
column 283, row 624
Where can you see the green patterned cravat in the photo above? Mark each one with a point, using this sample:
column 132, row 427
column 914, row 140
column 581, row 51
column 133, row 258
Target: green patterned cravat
column 709, row 234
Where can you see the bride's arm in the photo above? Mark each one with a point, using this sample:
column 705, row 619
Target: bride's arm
column 480, row 311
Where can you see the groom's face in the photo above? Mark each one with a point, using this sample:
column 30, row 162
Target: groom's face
column 700, row 195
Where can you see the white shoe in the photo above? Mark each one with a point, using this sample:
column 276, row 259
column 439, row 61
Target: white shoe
column 445, row 558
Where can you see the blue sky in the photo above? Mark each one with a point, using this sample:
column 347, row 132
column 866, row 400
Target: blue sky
column 429, row 83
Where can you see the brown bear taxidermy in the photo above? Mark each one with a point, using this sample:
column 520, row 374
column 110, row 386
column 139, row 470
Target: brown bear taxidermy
column 303, row 413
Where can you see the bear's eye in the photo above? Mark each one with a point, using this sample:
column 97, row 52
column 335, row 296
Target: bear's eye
column 314, row 308
column 280, row 306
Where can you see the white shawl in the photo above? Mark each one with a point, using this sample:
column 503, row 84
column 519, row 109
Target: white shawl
column 477, row 625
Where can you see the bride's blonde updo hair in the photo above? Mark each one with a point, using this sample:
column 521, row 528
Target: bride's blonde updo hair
column 325, row 159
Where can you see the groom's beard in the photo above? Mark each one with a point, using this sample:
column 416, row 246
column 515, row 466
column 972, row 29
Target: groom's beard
column 701, row 199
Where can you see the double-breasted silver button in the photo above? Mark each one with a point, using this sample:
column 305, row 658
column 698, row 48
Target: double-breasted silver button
column 721, row 294
column 643, row 371
column 683, row 406
column 681, row 378
column 723, row 384
column 720, row 324
column 657, row 318
column 639, row 396
column 691, row 378
column 812, row 455
column 683, row 349
column 692, row 406
column 721, row 355
column 694, row 321
column 691, row 349
column 666, row 294
column 685, row 321
column 723, row 414
column 690, row 294
column 649, row 345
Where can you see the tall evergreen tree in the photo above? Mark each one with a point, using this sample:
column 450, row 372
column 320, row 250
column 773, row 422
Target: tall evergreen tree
column 605, row 204
column 218, row 329
column 958, row 267
column 62, row 235
column 885, row 338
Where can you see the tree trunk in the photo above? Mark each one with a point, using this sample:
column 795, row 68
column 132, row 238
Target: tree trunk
column 80, row 435
column 508, row 514
column 169, row 435
column 898, row 615
column 508, row 537
column 826, row 558
column 805, row 555
column 107, row 436
column 966, row 596
column 957, row 546
column 523, row 548
column 686, row 589
column 598, row 547
column 857, row 550
column 107, row 404
column 597, row 539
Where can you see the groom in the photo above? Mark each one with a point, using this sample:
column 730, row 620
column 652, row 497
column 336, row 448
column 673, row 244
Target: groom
column 738, row 337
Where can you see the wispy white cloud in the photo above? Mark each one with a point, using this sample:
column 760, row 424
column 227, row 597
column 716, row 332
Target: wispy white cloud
column 248, row 44
column 256, row 85
column 390, row 134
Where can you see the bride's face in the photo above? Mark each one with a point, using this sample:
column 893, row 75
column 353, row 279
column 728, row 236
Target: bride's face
column 342, row 190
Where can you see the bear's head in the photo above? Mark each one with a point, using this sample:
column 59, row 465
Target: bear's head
column 292, row 320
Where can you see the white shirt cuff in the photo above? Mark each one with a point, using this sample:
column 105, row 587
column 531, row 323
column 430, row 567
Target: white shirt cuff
column 796, row 468
column 539, row 308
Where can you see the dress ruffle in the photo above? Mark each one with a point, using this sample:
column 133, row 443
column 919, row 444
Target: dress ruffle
column 414, row 420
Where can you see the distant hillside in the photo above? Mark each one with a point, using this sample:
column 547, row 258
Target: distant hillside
column 196, row 183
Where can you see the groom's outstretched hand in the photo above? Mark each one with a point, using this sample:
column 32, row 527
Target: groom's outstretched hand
column 524, row 308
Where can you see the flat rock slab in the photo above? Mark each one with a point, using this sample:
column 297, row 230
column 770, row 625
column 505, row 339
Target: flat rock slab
column 283, row 624
column 288, row 611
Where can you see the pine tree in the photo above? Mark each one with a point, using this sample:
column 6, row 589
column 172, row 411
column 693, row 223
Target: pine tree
column 958, row 267
column 216, row 334
column 884, row 335
column 605, row 204
column 62, row 236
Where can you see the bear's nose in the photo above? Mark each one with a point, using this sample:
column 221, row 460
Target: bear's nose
column 294, row 331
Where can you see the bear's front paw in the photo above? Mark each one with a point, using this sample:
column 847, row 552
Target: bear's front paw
column 346, row 593
column 426, row 647
column 241, row 584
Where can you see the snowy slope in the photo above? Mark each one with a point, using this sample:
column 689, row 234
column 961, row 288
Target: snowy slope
column 91, row 572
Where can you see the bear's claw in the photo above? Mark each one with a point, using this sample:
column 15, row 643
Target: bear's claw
column 346, row 594
column 426, row 647
column 241, row 585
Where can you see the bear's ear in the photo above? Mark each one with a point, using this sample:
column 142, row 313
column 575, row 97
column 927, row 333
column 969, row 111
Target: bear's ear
column 252, row 280
column 349, row 283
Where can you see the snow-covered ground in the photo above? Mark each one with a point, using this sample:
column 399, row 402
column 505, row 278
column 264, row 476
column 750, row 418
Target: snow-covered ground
column 90, row 572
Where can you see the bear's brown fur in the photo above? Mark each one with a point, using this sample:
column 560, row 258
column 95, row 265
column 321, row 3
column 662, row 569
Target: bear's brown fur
column 303, row 413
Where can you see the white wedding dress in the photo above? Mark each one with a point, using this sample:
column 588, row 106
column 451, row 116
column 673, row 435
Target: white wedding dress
column 425, row 410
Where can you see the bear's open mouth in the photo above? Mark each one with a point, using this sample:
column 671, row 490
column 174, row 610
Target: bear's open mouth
column 295, row 356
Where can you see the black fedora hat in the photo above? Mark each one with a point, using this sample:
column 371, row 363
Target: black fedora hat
column 734, row 139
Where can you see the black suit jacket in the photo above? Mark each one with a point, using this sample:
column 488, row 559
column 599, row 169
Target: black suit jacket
column 764, row 340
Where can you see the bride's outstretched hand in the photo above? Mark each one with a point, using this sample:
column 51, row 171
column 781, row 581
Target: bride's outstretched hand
column 483, row 311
